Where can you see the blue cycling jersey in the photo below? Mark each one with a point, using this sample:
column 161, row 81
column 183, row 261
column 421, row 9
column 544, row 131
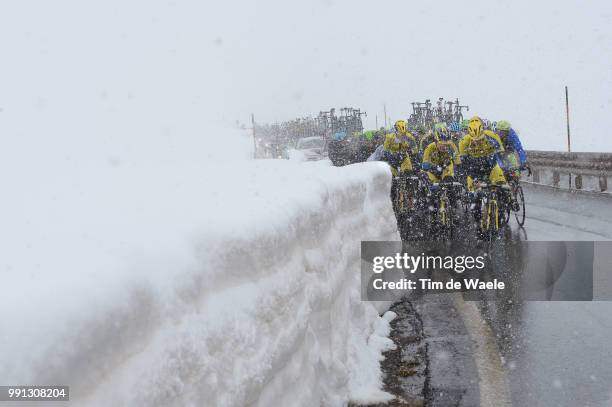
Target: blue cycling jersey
column 513, row 143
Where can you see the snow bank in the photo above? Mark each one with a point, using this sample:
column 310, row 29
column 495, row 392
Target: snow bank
column 296, row 155
column 365, row 384
column 211, row 280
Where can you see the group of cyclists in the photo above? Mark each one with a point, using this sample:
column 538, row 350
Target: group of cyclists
column 462, row 160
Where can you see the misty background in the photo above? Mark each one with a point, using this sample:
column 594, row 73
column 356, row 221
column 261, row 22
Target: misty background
column 124, row 77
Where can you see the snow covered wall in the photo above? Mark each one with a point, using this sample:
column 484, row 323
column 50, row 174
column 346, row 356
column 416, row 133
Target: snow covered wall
column 219, row 282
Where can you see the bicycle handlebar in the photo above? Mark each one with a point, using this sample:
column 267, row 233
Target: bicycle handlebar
column 447, row 184
column 486, row 185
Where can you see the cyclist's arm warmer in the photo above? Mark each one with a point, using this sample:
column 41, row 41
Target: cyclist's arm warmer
column 498, row 160
column 515, row 142
column 495, row 142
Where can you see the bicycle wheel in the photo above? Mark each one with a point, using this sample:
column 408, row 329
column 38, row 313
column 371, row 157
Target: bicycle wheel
column 483, row 219
column 445, row 219
column 489, row 224
column 464, row 201
column 520, row 198
column 493, row 216
column 504, row 214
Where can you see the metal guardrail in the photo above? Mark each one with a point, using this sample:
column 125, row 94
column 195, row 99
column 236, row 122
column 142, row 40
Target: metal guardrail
column 571, row 192
column 592, row 162
column 582, row 171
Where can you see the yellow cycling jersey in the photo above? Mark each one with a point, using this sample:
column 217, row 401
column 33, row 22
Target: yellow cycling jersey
column 426, row 140
column 485, row 146
column 400, row 144
column 441, row 153
column 406, row 145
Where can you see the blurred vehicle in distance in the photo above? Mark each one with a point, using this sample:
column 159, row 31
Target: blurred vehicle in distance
column 313, row 148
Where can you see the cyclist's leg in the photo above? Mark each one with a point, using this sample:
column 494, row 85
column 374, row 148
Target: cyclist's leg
column 496, row 176
column 514, row 167
column 470, row 183
column 406, row 165
column 481, row 172
column 432, row 177
column 449, row 171
column 512, row 160
column 448, row 175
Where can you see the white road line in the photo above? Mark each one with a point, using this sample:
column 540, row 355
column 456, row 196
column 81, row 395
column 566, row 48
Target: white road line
column 494, row 388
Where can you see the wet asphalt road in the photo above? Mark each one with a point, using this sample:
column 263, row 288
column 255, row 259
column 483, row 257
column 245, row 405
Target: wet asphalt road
column 531, row 348
column 557, row 353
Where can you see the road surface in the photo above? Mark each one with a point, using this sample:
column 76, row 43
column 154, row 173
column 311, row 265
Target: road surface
column 530, row 353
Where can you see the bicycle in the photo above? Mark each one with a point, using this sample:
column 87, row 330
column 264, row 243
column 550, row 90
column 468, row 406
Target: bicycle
column 518, row 196
column 408, row 201
column 463, row 197
column 442, row 217
column 491, row 206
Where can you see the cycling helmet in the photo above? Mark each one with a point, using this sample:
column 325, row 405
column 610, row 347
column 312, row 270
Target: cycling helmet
column 400, row 127
column 464, row 124
column 369, row 135
column 486, row 124
column 504, row 125
column 441, row 132
column 339, row 136
column 476, row 127
column 455, row 127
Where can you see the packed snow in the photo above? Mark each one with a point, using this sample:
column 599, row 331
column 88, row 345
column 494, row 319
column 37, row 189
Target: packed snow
column 193, row 278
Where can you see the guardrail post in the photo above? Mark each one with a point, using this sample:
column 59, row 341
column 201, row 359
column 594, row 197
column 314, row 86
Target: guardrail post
column 603, row 183
column 578, row 181
column 556, row 178
column 536, row 176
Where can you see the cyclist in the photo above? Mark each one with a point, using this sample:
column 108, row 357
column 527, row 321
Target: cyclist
column 464, row 126
column 339, row 150
column 369, row 134
column 400, row 149
column 479, row 153
column 440, row 158
column 426, row 140
column 419, row 133
column 455, row 130
column 515, row 158
column 366, row 145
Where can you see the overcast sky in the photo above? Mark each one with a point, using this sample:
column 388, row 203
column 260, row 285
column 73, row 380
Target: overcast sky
column 127, row 69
